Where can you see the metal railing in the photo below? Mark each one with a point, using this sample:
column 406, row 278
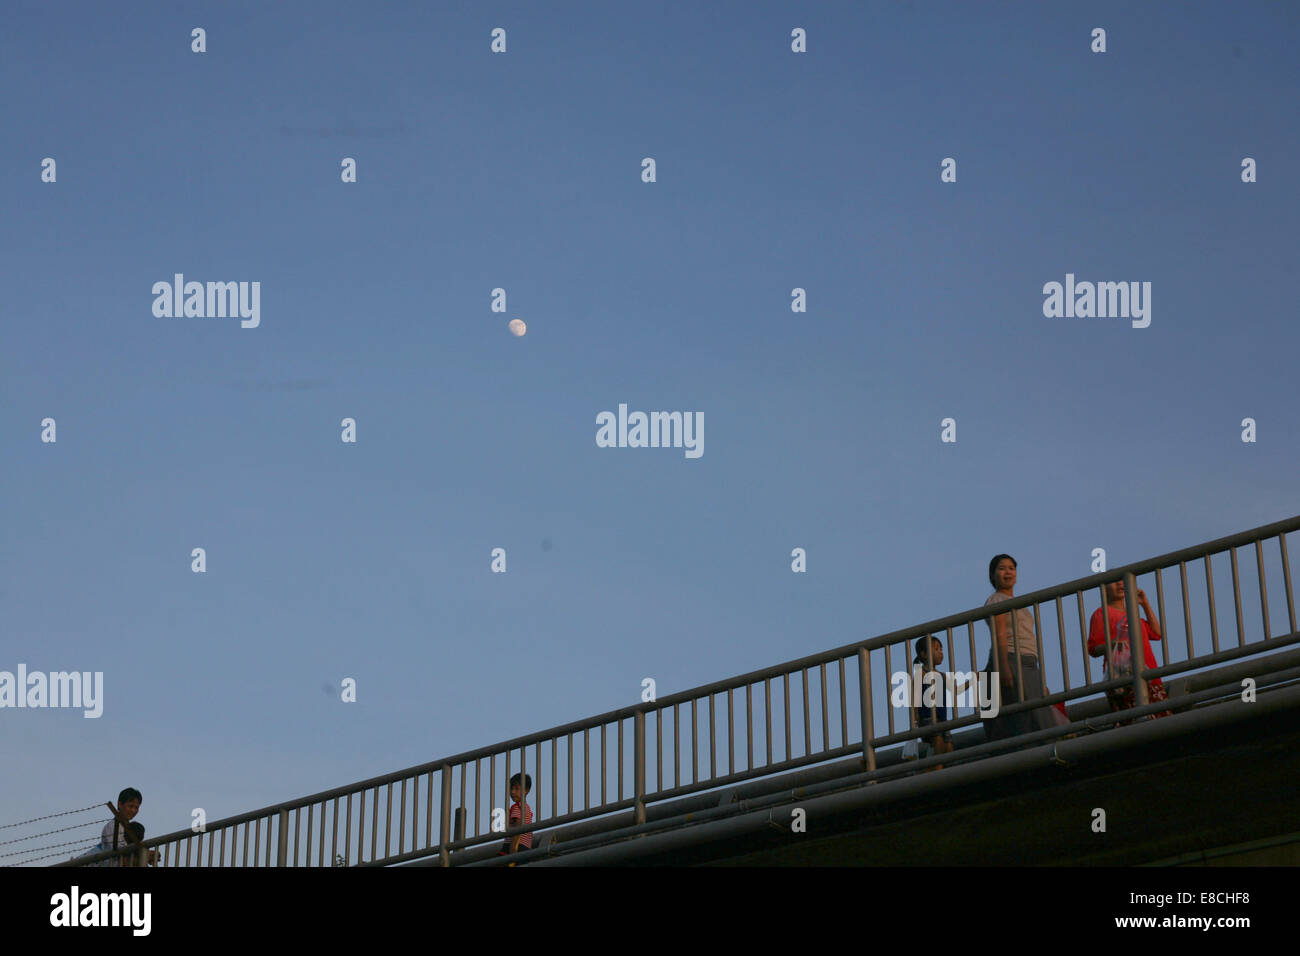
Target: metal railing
column 816, row 709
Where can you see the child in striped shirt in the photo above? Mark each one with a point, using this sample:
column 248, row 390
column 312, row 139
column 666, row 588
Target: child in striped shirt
column 521, row 840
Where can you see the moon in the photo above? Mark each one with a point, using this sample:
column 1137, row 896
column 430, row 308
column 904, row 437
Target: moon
column 517, row 327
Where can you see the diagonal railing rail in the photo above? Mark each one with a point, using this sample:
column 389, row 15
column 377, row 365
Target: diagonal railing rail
column 813, row 710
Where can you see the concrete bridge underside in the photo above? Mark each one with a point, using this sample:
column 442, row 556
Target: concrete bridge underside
column 1228, row 795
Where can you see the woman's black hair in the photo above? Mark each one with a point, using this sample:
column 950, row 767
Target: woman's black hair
column 921, row 657
column 994, row 564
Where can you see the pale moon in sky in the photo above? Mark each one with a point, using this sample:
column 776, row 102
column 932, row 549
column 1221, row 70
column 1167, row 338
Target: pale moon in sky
column 517, row 327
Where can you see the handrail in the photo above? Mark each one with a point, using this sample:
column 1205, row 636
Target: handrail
column 853, row 654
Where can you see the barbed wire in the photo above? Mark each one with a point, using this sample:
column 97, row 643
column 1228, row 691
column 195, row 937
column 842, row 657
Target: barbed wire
column 47, row 856
column 50, row 846
column 75, row 826
column 50, row 816
column 74, row 853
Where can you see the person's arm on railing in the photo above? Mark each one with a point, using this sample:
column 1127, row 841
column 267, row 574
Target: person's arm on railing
column 516, row 819
column 1152, row 621
column 1000, row 643
column 1096, row 636
column 915, row 693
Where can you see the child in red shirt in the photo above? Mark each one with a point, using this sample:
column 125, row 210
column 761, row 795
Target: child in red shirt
column 520, row 784
column 1117, row 625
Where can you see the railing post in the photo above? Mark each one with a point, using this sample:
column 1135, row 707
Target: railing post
column 638, row 766
column 1263, row 588
column 282, row 849
column 1136, row 643
column 868, row 730
column 444, row 824
column 458, row 829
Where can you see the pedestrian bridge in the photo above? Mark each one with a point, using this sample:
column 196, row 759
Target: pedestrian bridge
column 802, row 763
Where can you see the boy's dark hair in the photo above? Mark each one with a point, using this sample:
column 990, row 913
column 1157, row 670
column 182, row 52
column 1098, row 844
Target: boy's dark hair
column 993, row 566
column 528, row 782
column 129, row 794
column 923, row 653
column 137, row 829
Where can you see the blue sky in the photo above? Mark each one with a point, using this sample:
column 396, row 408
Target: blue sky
column 522, row 171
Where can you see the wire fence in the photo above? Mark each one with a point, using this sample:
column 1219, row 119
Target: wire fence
column 51, row 816
column 86, row 847
column 80, row 846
